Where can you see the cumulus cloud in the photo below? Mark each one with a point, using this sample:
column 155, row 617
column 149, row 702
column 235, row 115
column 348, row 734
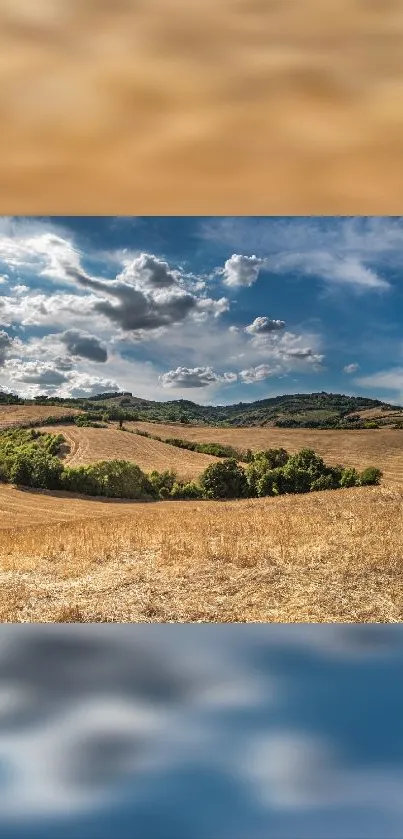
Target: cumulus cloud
column 37, row 373
column 6, row 343
column 57, row 376
column 351, row 368
column 206, row 306
column 257, row 374
column 84, row 345
column 195, row 377
column 82, row 384
column 148, row 270
column 241, row 270
column 305, row 354
column 137, row 308
column 264, row 325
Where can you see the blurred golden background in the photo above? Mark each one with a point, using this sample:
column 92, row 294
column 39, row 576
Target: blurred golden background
column 214, row 107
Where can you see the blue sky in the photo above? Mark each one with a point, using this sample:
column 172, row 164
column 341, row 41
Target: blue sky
column 212, row 309
column 201, row 732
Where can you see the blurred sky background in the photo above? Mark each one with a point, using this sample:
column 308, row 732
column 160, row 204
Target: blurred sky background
column 201, row 732
column 170, row 106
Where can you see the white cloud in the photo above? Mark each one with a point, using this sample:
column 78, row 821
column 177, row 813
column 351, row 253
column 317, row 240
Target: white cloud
column 195, row 377
column 264, row 325
column 348, row 253
column 56, row 377
column 345, row 270
column 6, row 343
column 351, row 368
column 241, row 270
column 257, row 374
column 384, row 380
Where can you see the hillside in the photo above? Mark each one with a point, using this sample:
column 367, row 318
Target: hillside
column 20, row 415
column 315, row 410
column 89, row 445
column 382, row 447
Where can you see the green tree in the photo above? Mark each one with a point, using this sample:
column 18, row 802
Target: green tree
column 224, row 480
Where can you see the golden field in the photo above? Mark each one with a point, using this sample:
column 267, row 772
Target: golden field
column 381, row 447
column 15, row 415
column 330, row 556
column 87, row 445
column 238, row 107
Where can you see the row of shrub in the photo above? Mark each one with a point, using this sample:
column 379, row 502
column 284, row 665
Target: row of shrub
column 30, row 458
column 216, row 449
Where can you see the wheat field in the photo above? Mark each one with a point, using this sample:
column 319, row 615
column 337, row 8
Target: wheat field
column 15, row 415
column 381, row 447
column 88, row 445
column 235, row 107
column 322, row 557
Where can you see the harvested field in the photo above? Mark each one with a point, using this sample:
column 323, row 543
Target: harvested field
column 25, row 507
column 15, row 415
column 381, row 447
column 87, row 445
column 331, row 556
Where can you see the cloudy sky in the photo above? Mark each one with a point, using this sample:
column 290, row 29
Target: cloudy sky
column 216, row 310
column 191, row 732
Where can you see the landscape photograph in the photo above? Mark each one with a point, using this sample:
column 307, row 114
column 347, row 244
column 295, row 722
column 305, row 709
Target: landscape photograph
column 201, row 419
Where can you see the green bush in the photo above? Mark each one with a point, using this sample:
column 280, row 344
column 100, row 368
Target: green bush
column 224, row 480
column 297, row 479
column 186, row 491
column 349, row 478
column 272, row 458
column 268, row 483
column 110, row 478
column 369, row 476
column 161, row 483
column 324, row 482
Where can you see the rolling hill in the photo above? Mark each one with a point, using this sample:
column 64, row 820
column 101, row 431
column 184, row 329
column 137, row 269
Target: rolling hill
column 320, row 410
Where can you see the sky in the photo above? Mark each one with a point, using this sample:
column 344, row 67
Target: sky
column 216, row 310
column 201, row 732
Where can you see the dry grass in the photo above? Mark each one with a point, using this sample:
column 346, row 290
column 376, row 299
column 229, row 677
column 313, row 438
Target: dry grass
column 15, row 415
column 87, row 445
column 167, row 106
column 381, row 447
column 378, row 414
column 332, row 556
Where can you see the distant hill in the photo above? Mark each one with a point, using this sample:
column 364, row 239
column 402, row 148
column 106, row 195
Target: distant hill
column 314, row 410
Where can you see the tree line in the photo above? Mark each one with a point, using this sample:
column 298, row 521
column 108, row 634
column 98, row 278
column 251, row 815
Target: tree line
column 32, row 458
